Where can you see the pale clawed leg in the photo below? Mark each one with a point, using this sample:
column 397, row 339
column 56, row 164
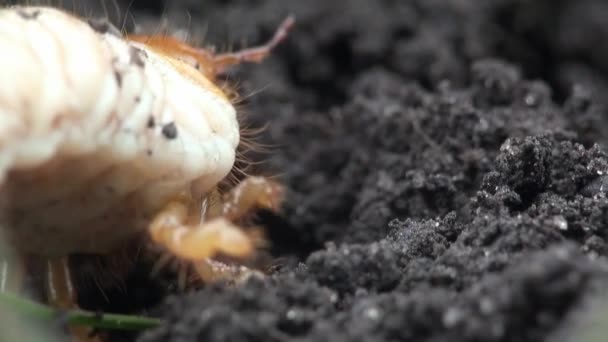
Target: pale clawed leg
column 179, row 229
column 62, row 295
column 12, row 271
column 172, row 229
column 250, row 194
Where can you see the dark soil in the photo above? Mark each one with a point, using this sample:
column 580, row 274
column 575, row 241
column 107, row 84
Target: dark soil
column 445, row 166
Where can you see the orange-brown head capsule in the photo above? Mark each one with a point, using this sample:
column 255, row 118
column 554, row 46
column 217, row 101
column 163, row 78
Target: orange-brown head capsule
column 207, row 61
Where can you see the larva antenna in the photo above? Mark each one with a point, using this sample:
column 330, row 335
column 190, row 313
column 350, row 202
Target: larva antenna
column 253, row 54
column 208, row 62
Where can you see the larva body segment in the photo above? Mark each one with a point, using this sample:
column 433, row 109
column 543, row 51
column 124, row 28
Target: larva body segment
column 97, row 133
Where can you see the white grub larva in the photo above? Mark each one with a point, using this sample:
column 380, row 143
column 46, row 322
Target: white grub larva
column 104, row 137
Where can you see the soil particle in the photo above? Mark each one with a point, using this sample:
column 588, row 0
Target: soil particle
column 259, row 310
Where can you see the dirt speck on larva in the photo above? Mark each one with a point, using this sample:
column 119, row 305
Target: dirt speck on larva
column 169, row 131
column 445, row 163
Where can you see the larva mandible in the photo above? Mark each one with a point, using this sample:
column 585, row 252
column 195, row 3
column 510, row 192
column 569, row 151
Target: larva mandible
column 105, row 136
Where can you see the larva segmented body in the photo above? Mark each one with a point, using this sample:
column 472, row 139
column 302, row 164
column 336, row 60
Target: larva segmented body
column 97, row 133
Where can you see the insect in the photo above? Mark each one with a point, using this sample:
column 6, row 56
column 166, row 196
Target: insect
column 106, row 137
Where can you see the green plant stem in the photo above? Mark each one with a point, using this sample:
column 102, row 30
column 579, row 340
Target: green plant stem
column 76, row 317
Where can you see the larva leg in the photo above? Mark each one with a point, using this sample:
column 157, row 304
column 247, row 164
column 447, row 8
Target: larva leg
column 252, row 193
column 12, row 271
column 62, row 295
column 172, row 229
column 178, row 228
column 60, row 290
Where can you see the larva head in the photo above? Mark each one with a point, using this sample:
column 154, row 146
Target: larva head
column 204, row 66
column 206, row 61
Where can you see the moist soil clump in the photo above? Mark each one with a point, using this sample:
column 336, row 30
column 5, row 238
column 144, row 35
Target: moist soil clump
column 445, row 165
